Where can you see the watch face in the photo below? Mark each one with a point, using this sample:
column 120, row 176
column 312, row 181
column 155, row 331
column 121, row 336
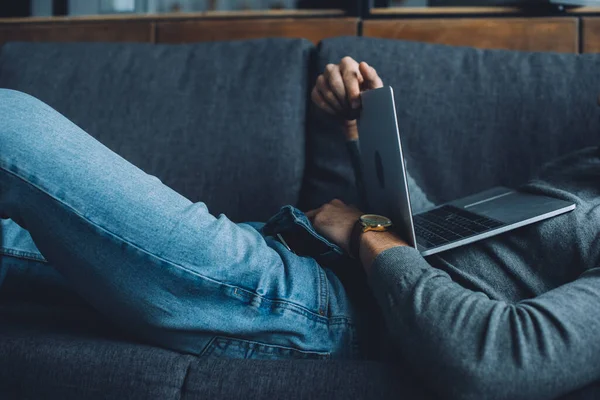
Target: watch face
column 375, row 220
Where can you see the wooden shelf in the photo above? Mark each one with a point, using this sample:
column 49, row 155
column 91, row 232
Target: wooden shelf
column 583, row 10
column 313, row 29
column 575, row 30
column 427, row 11
column 539, row 34
column 479, row 11
column 98, row 31
column 590, row 35
column 179, row 16
column 177, row 30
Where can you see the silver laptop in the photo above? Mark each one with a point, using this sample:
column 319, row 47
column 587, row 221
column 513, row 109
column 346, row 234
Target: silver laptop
column 446, row 226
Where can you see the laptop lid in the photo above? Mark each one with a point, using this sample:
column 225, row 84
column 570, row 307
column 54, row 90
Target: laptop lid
column 383, row 166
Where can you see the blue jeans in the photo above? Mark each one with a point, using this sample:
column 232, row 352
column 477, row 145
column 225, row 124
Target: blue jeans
column 156, row 264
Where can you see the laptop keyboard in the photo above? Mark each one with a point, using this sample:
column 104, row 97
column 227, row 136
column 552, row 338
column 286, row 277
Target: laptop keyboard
column 448, row 224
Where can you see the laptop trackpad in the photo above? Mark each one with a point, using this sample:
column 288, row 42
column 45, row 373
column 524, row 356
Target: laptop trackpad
column 512, row 207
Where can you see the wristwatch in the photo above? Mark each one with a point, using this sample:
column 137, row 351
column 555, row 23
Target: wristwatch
column 365, row 223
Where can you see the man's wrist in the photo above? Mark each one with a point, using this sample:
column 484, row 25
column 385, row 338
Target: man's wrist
column 350, row 129
column 374, row 243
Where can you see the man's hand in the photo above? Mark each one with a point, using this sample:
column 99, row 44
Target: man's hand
column 338, row 90
column 335, row 221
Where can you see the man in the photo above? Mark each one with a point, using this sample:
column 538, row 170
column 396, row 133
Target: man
column 508, row 317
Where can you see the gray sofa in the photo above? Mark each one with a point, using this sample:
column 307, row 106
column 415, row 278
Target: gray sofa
column 230, row 124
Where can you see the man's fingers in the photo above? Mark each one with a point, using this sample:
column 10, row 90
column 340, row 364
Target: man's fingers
column 372, row 80
column 337, row 90
column 352, row 83
column 320, row 101
column 327, row 95
column 334, row 79
column 352, row 80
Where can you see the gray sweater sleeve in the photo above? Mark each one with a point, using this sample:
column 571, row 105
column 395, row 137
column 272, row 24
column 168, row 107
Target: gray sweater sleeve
column 469, row 346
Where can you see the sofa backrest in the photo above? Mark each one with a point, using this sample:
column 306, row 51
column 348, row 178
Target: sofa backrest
column 225, row 122
column 222, row 122
column 471, row 119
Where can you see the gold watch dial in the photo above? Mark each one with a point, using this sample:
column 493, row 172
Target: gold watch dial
column 375, row 221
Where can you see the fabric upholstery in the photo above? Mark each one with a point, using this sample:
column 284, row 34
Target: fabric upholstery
column 305, row 379
column 55, row 366
column 329, row 173
column 208, row 120
column 218, row 122
column 82, row 365
column 471, row 119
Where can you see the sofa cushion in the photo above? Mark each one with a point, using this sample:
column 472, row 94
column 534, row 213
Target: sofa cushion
column 471, row 119
column 59, row 366
column 81, row 366
column 219, row 122
column 45, row 357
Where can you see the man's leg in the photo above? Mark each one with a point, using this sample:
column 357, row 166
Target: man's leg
column 16, row 242
column 25, row 274
column 534, row 259
column 154, row 262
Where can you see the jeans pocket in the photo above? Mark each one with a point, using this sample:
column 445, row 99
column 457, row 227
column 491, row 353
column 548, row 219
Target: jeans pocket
column 224, row 347
column 299, row 234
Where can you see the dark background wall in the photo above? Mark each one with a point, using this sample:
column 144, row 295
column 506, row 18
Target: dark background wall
column 15, row 8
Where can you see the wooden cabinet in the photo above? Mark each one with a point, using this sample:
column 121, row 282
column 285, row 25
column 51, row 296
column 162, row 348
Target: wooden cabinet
column 498, row 28
column 181, row 28
column 532, row 34
column 313, row 29
column 590, row 35
column 93, row 31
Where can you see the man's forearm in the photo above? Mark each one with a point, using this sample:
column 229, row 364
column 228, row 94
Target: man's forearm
column 374, row 243
column 478, row 347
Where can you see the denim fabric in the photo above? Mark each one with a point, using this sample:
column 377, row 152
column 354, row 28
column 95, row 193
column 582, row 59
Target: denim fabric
column 293, row 224
column 158, row 265
column 17, row 242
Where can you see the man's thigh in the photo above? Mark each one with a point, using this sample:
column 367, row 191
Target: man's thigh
column 534, row 259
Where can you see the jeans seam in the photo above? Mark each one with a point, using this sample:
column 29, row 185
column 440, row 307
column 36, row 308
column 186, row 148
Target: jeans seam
column 305, row 312
column 188, row 369
column 323, row 354
column 148, row 253
column 323, row 293
column 23, row 254
column 208, row 349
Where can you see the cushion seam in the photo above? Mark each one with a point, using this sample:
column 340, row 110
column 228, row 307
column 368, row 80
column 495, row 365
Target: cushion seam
column 185, row 379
